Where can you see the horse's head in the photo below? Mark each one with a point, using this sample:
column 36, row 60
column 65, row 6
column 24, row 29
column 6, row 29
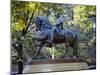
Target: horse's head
column 38, row 23
column 42, row 22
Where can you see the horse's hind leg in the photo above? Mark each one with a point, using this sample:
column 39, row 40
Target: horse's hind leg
column 75, row 50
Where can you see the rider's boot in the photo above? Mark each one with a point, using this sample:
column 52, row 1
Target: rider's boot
column 51, row 38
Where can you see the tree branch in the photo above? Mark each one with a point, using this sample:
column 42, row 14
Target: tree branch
column 24, row 31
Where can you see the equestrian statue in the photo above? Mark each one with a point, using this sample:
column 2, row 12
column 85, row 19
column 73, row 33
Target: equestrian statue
column 46, row 35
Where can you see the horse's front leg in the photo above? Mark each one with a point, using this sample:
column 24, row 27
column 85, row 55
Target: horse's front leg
column 66, row 50
column 38, row 50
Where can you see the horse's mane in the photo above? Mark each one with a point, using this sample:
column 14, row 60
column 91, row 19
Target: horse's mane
column 44, row 20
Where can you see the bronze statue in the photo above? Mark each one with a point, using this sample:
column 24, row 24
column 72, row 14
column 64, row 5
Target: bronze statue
column 44, row 33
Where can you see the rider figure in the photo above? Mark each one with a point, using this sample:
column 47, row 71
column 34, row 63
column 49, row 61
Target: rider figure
column 59, row 25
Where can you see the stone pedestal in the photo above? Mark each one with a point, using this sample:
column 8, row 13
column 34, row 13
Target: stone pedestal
column 55, row 65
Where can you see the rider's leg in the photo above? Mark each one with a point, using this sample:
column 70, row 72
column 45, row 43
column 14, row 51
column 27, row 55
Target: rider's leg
column 58, row 30
column 52, row 35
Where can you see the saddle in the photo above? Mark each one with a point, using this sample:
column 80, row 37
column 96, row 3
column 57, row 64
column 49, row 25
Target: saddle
column 58, row 34
column 57, row 37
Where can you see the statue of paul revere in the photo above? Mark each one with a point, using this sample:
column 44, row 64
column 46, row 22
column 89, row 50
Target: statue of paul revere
column 48, row 35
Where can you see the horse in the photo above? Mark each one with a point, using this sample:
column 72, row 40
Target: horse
column 68, row 37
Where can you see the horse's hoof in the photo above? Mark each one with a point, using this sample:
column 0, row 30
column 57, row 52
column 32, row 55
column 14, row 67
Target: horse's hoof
column 75, row 57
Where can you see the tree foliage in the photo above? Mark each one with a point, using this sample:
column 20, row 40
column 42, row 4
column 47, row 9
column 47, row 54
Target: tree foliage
column 76, row 20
